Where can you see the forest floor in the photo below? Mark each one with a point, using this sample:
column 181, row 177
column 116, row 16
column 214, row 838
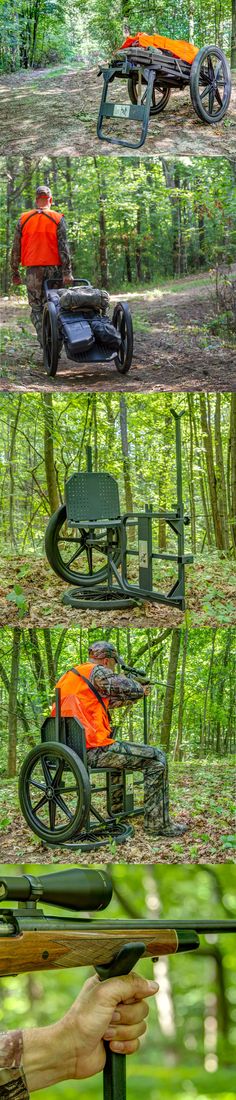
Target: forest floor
column 201, row 796
column 176, row 345
column 54, row 111
column 31, row 595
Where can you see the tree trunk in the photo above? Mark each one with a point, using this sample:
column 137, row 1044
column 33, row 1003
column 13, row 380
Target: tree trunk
column 103, row 256
column 233, row 465
column 170, row 688
column 220, row 476
column 13, row 691
column 211, row 473
column 50, row 469
column 178, row 743
column 233, row 39
column 125, row 453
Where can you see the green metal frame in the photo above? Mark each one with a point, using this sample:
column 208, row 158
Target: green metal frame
column 131, row 112
column 117, row 580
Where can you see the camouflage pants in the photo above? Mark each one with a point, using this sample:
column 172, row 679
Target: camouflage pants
column 13, row 1085
column 34, row 281
column 12, row 1079
column 145, row 758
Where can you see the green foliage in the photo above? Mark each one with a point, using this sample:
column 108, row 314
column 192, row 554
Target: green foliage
column 209, row 688
column 136, row 223
column 17, row 597
column 42, row 32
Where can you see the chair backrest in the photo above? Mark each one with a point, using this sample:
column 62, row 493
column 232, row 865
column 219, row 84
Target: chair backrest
column 90, row 496
column 71, row 733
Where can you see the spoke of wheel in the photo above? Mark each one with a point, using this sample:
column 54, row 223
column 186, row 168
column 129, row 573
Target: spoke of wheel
column 218, row 97
column 65, row 809
column 59, row 773
column 76, row 555
column 66, row 790
column 211, row 100
column 205, row 92
column 46, row 772
column 42, row 802
column 39, row 786
column 68, row 538
column 211, row 70
column 52, row 814
column 89, row 553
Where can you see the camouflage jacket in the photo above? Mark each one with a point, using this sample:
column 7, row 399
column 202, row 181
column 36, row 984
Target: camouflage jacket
column 118, row 689
column 12, row 1079
column 63, row 248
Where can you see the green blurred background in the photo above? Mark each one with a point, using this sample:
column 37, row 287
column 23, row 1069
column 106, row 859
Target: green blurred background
column 188, row 1052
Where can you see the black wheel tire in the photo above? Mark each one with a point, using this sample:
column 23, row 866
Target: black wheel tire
column 103, row 600
column 195, row 77
column 50, row 336
column 123, row 322
column 61, row 833
column 53, row 553
column 156, row 108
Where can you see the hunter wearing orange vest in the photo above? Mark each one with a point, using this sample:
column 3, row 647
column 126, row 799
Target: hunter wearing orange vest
column 89, row 692
column 40, row 245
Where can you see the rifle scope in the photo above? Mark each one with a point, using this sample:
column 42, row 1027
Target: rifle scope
column 139, row 672
column 75, row 889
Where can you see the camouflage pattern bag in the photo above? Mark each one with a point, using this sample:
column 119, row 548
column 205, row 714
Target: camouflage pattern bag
column 84, row 298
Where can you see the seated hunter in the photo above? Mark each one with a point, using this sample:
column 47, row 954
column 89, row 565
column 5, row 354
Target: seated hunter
column 89, row 692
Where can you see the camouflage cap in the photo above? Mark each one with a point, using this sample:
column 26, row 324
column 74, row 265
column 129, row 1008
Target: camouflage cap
column 103, row 649
column 44, row 190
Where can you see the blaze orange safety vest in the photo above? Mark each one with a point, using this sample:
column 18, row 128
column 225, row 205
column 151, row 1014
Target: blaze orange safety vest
column 39, row 245
column 77, row 700
column 179, row 48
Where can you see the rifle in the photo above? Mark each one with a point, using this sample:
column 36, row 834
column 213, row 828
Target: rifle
column 30, row 941
column 142, row 676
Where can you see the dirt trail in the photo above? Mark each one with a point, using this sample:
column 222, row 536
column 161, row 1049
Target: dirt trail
column 55, row 112
column 174, row 348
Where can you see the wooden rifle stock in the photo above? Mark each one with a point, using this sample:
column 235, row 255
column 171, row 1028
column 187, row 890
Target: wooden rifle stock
column 45, row 949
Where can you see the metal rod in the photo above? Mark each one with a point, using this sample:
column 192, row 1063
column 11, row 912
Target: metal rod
column 145, row 720
column 57, row 714
column 178, row 451
column 89, row 459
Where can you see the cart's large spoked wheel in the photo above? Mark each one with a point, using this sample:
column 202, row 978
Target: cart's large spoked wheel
column 54, row 792
column 210, row 84
column 77, row 554
column 51, row 345
column 160, row 94
column 123, row 322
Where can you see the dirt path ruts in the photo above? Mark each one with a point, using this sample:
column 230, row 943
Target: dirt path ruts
column 174, row 348
column 47, row 112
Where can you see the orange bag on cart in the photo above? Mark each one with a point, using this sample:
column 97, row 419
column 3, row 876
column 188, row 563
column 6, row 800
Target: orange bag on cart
column 184, row 50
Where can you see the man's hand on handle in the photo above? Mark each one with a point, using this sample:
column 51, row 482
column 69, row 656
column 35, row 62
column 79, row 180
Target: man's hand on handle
column 72, row 1049
column 68, row 280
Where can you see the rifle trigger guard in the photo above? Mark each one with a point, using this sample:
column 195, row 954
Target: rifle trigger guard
column 123, row 962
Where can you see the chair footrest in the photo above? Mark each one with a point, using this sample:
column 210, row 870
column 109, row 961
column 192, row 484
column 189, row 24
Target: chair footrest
column 123, row 110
